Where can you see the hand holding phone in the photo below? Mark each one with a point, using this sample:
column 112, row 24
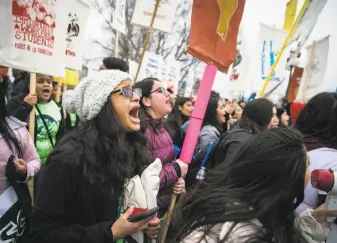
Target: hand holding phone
column 123, row 227
column 143, row 215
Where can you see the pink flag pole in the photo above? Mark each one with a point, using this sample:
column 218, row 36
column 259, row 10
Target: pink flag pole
column 193, row 130
column 198, row 114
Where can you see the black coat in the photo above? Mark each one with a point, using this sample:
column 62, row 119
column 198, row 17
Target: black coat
column 68, row 209
column 232, row 142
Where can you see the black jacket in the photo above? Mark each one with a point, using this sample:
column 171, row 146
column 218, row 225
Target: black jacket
column 68, row 209
column 228, row 146
column 20, row 109
column 176, row 133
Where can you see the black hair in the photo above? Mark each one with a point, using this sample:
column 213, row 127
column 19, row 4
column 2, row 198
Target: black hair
column 241, row 101
column 6, row 83
column 115, row 63
column 279, row 113
column 6, row 132
column 257, row 115
column 319, row 118
column 21, row 82
column 264, row 181
column 110, row 153
column 176, row 115
column 146, row 121
column 215, row 94
column 210, row 117
column 175, row 121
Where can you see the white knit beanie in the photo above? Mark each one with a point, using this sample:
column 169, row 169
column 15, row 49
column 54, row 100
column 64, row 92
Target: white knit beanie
column 90, row 95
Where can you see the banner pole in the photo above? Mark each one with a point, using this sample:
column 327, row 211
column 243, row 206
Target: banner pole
column 291, row 32
column 193, row 130
column 32, row 90
column 147, row 39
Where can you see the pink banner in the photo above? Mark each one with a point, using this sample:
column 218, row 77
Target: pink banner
column 198, row 114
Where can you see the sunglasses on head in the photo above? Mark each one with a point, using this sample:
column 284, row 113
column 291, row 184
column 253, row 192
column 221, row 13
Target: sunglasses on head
column 128, row 92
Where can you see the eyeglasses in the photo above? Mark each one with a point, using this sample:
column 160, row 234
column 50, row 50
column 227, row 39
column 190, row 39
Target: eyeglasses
column 160, row 90
column 128, row 92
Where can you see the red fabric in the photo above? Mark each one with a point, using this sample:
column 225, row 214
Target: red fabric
column 295, row 110
column 214, row 29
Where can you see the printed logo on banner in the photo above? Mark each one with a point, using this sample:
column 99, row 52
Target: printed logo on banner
column 73, row 31
column 73, row 28
column 234, row 75
column 272, row 55
column 34, row 23
column 314, row 70
column 227, row 10
column 12, row 230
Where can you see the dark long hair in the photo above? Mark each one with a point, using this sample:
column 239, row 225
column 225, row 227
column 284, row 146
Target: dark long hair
column 7, row 134
column 210, row 117
column 280, row 112
column 256, row 115
column 264, row 181
column 318, row 119
column 6, row 83
column 146, row 121
column 175, row 121
column 176, row 115
column 109, row 154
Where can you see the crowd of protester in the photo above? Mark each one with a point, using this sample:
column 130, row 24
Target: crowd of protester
column 248, row 182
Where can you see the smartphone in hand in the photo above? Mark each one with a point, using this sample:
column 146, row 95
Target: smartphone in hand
column 143, row 215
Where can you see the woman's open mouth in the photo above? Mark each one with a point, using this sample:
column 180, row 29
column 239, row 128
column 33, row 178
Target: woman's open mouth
column 133, row 114
column 46, row 92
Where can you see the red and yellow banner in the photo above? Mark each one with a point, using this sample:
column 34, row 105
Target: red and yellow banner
column 214, row 30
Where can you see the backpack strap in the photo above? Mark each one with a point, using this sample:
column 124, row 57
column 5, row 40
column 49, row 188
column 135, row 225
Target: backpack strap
column 209, row 148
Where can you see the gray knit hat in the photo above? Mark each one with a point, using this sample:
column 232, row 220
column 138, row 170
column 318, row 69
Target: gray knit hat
column 90, row 95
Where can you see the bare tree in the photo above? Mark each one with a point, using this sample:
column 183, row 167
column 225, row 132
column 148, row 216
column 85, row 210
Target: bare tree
column 130, row 45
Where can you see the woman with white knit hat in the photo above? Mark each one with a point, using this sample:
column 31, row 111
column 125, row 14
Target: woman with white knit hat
column 81, row 189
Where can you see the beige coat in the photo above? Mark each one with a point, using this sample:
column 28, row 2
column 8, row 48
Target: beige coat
column 310, row 230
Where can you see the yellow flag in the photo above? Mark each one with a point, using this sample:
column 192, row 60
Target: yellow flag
column 71, row 78
column 290, row 14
